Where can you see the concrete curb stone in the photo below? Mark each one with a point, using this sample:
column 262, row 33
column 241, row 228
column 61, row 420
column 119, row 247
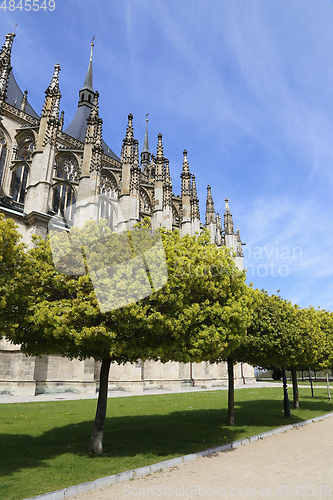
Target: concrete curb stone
column 142, row 471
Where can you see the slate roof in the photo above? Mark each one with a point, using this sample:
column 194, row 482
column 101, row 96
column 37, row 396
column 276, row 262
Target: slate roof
column 78, row 126
column 15, row 93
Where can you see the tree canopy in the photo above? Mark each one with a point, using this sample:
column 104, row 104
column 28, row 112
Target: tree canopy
column 14, row 277
column 198, row 314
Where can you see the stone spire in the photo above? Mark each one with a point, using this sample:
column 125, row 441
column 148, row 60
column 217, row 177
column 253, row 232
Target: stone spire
column 167, row 197
column 158, row 184
column 228, row 223
column 195, row 213
column 185, row 226
column 49, row 125
column 52, row 93
column 135, row 171
column 5, row 64
column 129, row 202
column 159, row 160
column 218, row 221
column 53, row 123
column 145, row 154
column 128, row 142
column 24, row 100
column 167, row 186
column 39, row 186
column 210, row 212
column 86, row 94
column 94, row 136
column 186, row 176
column 88, row 82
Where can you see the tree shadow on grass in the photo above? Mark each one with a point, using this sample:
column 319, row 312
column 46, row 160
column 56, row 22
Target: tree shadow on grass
column 150, row 438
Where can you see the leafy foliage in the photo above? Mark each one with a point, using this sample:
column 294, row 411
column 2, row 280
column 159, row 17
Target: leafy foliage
column 14, row 277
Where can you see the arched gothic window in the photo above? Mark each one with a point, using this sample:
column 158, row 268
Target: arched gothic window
column 108, row 191
column 63, row 201
column 67, row 168
column 3, row 154
column 19, row 183
column 145, row 205
column 106, row 211
column 25, row 151
column 175, row 216
column 108, row 186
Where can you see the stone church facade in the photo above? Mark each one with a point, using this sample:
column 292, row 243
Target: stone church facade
column 45, row 171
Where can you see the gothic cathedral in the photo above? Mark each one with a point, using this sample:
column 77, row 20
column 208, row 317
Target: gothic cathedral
column 46, row 171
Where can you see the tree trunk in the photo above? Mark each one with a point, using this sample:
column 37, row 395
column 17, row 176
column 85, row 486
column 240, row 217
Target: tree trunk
column 96, row 442
column 328, row 384
column 286, row 401
column 310, row 379
column 231, row 393
column 295, row 387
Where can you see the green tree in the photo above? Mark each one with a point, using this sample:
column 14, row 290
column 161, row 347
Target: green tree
column 326, row 359
column 197, row 315
column 282, row 335
column 308, row 344
column 214, row 306
column 14, row 270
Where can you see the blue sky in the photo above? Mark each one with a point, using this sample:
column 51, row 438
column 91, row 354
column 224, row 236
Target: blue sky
column 245, row 86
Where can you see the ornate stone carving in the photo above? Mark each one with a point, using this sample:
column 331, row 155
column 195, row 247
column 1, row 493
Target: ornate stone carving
column 67, row 167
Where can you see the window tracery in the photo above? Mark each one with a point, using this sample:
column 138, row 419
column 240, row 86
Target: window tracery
column 25, row 152
column 144, row 202
column 106, row 211
column 63, row 200
column 19, row 183
column 175, row 216
column 67, row 168
column 108, row 186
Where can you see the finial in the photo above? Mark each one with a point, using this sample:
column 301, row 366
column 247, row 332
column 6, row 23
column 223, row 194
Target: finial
column 146, row 141
column 15, row 29
column 55, row 79
column 227, row 208
column 88, row 82
column 24, row 100
column 92, row 46
column 185, row 162
column 159, row 152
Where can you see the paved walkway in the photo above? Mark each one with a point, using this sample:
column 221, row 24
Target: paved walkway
column 292, row 465
column 7, row 398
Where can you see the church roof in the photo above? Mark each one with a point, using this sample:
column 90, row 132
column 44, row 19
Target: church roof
column 78, row 126
column 15, row 94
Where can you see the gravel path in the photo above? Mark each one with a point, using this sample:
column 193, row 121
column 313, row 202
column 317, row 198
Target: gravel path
column 291, row 465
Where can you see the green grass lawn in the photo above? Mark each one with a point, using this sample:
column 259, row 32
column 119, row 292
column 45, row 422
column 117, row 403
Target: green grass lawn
column 44, row 445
